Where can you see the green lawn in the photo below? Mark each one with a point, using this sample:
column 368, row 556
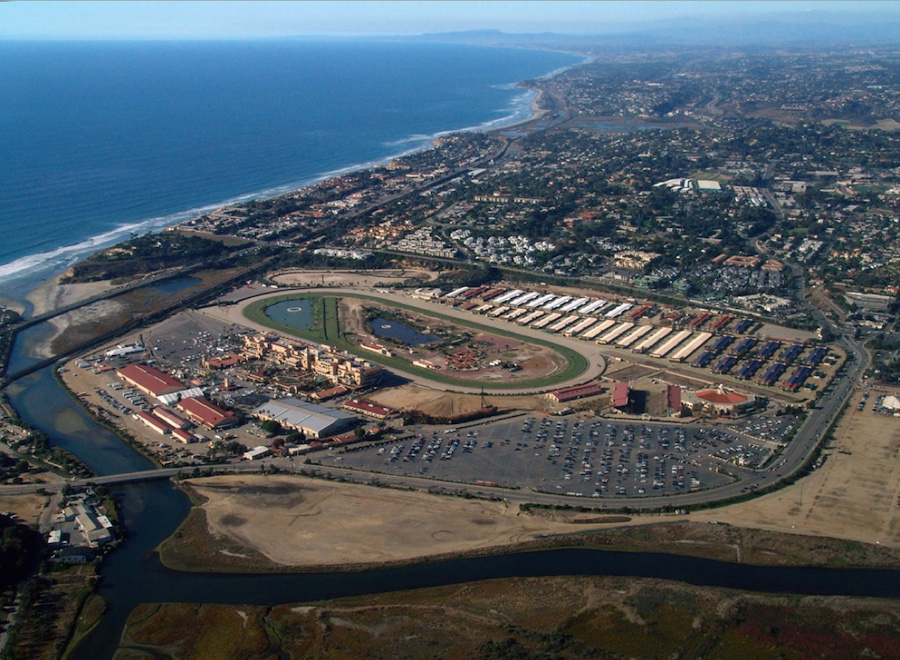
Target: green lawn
column 326, row 329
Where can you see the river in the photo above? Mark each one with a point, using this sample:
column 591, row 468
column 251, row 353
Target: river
column 152, row 511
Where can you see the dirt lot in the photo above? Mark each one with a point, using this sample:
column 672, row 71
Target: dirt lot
column 299, row 521
column 854, row 495
column 853, row 498
column 448, row 404
column 260, row 523
column 83, row 383
column 27, row 507
column 350, row 278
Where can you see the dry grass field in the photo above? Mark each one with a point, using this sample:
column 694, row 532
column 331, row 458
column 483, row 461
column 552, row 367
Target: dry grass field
column 27, row 507
column 855, row 495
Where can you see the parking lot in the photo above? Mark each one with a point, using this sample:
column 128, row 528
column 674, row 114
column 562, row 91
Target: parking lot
column 182, row 341
column 772, row 429
column 587, row 457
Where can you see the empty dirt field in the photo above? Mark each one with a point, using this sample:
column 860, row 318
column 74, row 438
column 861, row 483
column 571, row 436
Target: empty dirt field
column 297, row 521
column 27, row 507
column 350, row 278
column 447, row 404
column 855, row 495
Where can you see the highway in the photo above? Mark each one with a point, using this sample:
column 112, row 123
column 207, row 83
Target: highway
column 134, row 322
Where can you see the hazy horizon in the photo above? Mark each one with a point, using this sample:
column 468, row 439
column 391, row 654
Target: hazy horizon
column 255, row 20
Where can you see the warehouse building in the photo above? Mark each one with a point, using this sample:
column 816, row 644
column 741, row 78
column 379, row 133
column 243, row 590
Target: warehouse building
column 312, row 420
column 204, row 412
column 150, row 380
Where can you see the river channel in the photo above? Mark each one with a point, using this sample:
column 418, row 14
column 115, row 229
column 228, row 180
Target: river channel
column 152, row 511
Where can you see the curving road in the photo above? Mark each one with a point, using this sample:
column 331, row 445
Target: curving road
column 795, row 455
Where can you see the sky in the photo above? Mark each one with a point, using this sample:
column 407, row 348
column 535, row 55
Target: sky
column 237, row 20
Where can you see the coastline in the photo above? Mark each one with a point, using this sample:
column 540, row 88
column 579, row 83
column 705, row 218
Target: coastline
column 48, row 265
column 51, row 295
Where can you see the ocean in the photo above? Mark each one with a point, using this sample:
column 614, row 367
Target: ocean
column 102, row 140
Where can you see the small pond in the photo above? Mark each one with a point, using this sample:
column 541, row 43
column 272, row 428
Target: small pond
column 175, row 285
column 400, row 332
column 294, row 313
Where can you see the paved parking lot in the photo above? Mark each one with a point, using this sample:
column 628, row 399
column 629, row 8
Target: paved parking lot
column 587, row 457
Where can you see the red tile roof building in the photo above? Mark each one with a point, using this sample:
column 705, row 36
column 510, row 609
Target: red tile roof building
column 673, row 397
column 577, row 392
column 154, row 423
column 204, row 412
column 183, row 436
column 369, row 409
column 720, row 400
column 620, row 395
column 170, row 418
column 150, row 380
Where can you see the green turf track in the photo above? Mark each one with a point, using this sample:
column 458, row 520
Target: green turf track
column 326, row 330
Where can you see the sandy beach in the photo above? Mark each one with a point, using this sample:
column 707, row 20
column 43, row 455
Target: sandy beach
column 53, row 295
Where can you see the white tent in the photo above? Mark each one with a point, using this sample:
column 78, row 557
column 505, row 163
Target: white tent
column 891, row 402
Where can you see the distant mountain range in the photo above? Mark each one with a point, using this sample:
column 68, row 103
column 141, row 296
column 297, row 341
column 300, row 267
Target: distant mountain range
column 785, row 29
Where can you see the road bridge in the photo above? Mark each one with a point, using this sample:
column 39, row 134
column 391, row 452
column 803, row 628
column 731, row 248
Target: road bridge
column 126, row 327
column 110, row 293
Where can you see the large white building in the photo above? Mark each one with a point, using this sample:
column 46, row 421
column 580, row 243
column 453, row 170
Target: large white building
column 312, row 420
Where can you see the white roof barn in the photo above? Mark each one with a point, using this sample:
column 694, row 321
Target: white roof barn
column 313, row 420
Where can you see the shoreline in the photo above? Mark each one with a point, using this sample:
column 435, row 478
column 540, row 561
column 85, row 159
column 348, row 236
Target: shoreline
column 20, row 279
column 51, row 295
column 48, row 293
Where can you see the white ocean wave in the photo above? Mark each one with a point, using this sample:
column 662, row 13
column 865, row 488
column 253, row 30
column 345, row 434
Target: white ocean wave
column 517, row 111
column 60, row 258
column 43, row 264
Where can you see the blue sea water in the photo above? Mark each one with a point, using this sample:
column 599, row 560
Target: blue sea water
column 102, row 139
